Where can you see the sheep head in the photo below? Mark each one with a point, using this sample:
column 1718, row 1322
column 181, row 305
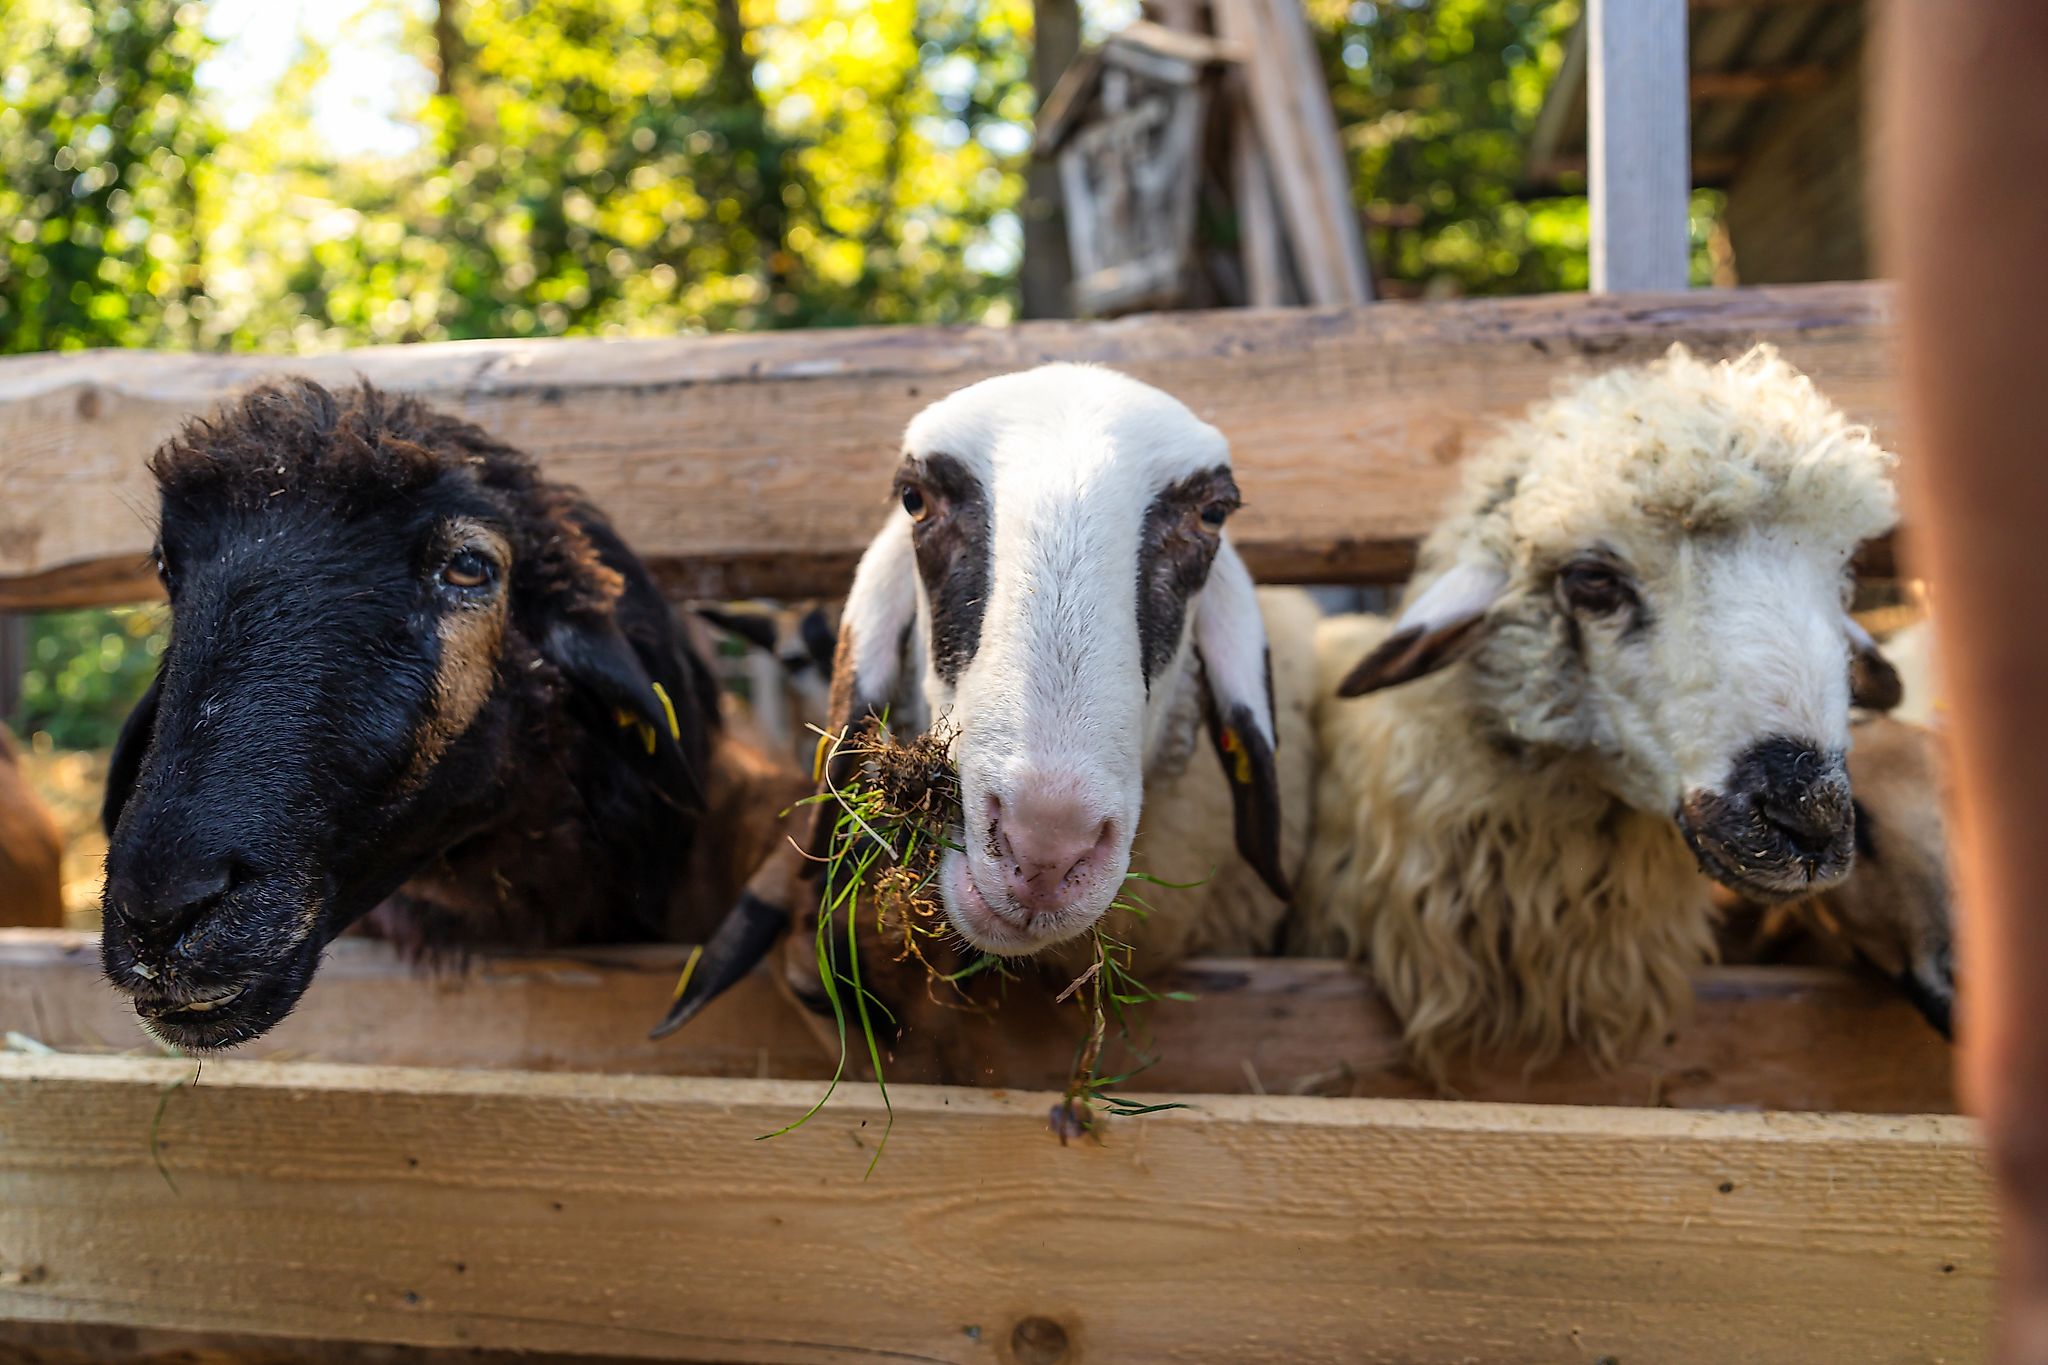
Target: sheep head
column 1649, row 575
column 369, row 605
column 1054, row 559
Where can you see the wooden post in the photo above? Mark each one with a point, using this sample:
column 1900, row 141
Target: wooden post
column 1045, row 279
column 1640, row 161
column 13, row 661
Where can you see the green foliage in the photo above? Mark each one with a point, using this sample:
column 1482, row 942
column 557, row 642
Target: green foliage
column 86, row 670
column 1437, row 102
column 99, row 138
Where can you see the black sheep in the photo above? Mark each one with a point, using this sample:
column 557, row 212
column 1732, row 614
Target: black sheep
column 407, row 680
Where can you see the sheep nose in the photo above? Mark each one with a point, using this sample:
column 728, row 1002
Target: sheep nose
column 1804, row 795
column 1047, row 849
column 161, row 910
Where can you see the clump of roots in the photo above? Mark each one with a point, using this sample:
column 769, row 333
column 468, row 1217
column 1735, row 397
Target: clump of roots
column 893, row 819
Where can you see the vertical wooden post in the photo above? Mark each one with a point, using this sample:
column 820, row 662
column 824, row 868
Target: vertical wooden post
column 1640, row 161
column 13, row 661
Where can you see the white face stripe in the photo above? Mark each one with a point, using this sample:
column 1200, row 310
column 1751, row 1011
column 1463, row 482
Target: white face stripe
column 1052, row 707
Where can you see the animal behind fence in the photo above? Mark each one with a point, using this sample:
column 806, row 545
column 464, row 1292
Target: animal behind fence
column 1625, row 660
column 1055, row 585
column 409, row 683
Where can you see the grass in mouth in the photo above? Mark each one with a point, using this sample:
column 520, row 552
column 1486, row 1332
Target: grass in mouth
column 893, row 821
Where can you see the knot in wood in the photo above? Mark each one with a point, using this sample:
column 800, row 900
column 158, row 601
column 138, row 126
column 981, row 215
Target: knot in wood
column 1038, row 1341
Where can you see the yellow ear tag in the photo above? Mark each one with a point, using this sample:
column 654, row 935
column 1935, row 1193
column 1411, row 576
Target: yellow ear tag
column 1241, row 767
column 675, row 731
column 818, row 759
column 689, row 970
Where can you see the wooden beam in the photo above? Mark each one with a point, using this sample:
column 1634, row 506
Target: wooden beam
column 1766, row 4
column 1762, row 83
column 759, row 464
column 643, row 1216
column 1770, row 1037
column 1637, row 144
column 1713, row 168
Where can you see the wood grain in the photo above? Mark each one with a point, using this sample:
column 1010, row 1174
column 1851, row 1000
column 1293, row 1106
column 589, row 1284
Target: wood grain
column 757, row 463
column 641, row 1216
column 1761, row 1037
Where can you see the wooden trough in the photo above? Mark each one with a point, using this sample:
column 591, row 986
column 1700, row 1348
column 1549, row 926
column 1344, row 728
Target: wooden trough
column 495, row 1160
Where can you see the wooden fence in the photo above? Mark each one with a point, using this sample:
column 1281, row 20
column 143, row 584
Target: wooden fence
column 757, row 464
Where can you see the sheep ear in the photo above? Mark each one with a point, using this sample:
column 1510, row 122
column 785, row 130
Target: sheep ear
column 1873, row 683
column 867, row 665
column 1230, row 637
column 633, row 707
column 1437, row 629
column 866, row 671
column 126, row 764
column 750, row 625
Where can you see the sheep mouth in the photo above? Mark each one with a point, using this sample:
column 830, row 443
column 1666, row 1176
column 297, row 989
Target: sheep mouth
column 1750, row 859
column 1007, row 931
column 220, row 1015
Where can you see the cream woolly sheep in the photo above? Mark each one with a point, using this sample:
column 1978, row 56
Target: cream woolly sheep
column 1058, row 586
column 1642, row 589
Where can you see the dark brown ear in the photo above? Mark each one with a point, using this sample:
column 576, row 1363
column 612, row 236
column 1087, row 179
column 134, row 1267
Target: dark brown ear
column 867, row 664
column 137, row 733
column 1230, row 638
column 1438, row 628
column 1874, row 684
column 878, row 614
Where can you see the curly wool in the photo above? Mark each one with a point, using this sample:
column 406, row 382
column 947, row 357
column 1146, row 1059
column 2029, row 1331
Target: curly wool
column 1467, row 844
column 1690, row 445
column 1502, row 899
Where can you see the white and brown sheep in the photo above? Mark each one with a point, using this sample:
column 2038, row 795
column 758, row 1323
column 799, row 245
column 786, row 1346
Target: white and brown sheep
column 1624, row 659
column 1056, row 583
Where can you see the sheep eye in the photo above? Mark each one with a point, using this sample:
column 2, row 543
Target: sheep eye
column 163, row 570
column 915, row 502
column 1215, row 514
column 468, row 570
column 1595, row 589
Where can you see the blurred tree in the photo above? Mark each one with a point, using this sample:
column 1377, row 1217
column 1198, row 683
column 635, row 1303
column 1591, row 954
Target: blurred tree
column 86, row 671
column 99, row 135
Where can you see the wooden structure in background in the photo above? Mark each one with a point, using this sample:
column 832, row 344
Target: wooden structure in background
column 1216, row 112
column 1777, row 120
column 1126, row 126
column 754, row 465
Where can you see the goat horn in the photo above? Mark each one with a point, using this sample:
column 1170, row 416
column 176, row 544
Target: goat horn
column 748, row 931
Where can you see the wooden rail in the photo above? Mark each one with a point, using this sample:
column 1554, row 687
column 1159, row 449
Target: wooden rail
column 756, row 464
column 641, row 1216
column 1760, row 1038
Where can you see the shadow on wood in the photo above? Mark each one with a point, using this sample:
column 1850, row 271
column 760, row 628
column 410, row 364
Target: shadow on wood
column 1760, row 1038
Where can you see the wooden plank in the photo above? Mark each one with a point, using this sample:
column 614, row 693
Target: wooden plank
column 1763, row 83
column 1761, row 1038
column 85, row 1343
column 1640, row 158
column 641, row 1216
column 758, row 464
column 1290, row 105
